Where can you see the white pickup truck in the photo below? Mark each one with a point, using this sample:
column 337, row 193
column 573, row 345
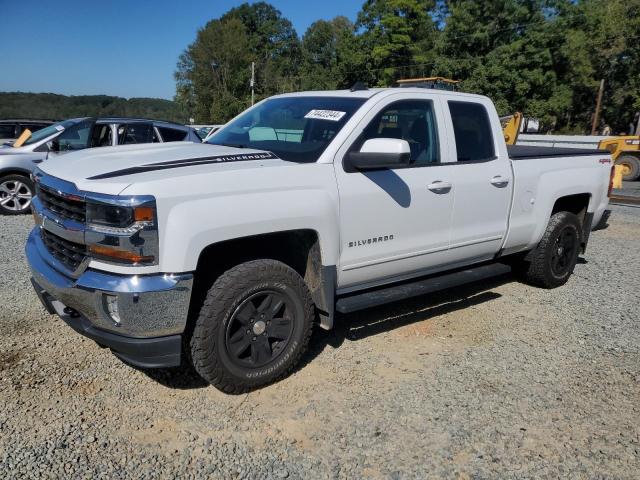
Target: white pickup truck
column 226, row 254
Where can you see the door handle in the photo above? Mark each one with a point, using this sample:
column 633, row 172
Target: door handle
column 499, row 181
column 439, row 186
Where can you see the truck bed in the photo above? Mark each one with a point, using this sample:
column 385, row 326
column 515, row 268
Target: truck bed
column 528, row 152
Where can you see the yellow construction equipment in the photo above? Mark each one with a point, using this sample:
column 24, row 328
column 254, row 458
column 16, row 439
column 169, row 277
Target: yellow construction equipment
column 511, row 127
column 625, row 150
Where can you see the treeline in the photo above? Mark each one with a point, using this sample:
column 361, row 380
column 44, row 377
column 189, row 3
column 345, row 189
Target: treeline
column 58, row 107
column 543, row 57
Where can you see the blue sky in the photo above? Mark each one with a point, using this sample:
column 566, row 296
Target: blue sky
column 117, row 47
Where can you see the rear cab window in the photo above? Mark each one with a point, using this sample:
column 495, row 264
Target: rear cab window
column 472, row 130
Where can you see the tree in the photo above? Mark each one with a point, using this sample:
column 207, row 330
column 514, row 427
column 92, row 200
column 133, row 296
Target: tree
column 397, row 33
column 542, row 57
column 325, row 46
column 212, row 75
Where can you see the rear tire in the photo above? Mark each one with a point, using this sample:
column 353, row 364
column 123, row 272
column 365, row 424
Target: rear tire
column 253, row 327
column 16, row 193
column 631, row 166
column 552, row 262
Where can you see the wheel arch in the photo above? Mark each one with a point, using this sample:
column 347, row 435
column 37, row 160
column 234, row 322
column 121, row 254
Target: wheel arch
column 299, row 249
column 15, row 171
column 578, row 204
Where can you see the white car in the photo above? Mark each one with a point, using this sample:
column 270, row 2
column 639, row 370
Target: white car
column 305, row 205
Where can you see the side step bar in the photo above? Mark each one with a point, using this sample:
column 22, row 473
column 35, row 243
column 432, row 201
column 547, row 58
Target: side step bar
column 415, row 288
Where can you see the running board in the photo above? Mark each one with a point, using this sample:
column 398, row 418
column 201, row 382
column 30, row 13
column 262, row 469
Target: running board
column 434, row 283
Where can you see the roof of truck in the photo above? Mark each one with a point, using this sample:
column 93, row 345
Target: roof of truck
column 370, row 92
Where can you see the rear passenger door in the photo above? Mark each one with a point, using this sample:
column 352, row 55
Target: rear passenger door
column 483, row 181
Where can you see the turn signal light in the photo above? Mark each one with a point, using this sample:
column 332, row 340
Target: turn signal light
column 143, row 214
column 120, row 255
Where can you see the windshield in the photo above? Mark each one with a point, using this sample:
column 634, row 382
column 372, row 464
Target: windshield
column 35, row 137
column 297, row 129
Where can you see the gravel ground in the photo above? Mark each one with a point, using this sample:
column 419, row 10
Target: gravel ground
column 493, row 380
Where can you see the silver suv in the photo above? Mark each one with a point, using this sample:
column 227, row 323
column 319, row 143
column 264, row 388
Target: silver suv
column 17, row 163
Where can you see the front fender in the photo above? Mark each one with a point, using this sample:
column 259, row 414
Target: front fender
column 192, row 223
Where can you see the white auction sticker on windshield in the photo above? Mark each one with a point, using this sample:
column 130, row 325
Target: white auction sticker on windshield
column 59, row 128
column 332, row 115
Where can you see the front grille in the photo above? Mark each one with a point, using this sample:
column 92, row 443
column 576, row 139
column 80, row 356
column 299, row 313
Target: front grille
column 69, row 253
column 65, row 208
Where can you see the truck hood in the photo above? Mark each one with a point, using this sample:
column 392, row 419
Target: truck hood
column 112, row 169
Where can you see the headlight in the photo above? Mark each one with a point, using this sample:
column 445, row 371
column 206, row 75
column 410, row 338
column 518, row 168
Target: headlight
column 110, row 215
column 117, row 219
column 123, row 232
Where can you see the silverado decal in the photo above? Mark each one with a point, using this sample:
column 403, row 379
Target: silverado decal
column 369, row 241
column 187, row 162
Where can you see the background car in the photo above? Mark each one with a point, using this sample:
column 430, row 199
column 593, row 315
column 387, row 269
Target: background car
column 17, row 162
column 211, row 132
column 11, row 129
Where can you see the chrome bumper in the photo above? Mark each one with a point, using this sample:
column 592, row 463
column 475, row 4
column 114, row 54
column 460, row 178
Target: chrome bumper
column 148, row 305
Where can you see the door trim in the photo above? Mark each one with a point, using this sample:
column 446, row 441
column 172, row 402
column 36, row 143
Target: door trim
column 371, row 263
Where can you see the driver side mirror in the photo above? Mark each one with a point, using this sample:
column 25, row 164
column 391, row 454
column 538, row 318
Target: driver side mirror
column 377, row 153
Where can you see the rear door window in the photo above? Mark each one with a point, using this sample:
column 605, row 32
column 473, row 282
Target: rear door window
column 172, row 134
column 472, row 130
column 135, row 133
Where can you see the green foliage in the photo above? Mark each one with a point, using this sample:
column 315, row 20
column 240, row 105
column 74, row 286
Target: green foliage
column 396, row 33
column 59, row 107
column 326, row 50
column 543, row 57
column 213, row 73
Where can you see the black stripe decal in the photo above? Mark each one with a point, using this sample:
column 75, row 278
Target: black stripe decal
column 187, row 162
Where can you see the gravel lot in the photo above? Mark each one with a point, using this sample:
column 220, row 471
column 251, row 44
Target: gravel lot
column 494, row 380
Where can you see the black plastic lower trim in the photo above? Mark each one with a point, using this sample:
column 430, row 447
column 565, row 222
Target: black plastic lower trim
column 586, row 230
column 412, row 288
column 602, row 224
column 158, row 352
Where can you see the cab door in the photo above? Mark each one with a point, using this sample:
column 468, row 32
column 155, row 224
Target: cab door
column 483, row 177
column 396, row 222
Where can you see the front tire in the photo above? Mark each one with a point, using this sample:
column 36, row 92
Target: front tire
column 16, row 193
column 552, row 262
column 253, row 327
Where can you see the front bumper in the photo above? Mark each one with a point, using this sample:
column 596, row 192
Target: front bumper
column 151, row 309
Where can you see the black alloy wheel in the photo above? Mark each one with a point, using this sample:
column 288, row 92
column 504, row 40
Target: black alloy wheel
column 563, row 252
column 253, row 327
column 260, row 329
